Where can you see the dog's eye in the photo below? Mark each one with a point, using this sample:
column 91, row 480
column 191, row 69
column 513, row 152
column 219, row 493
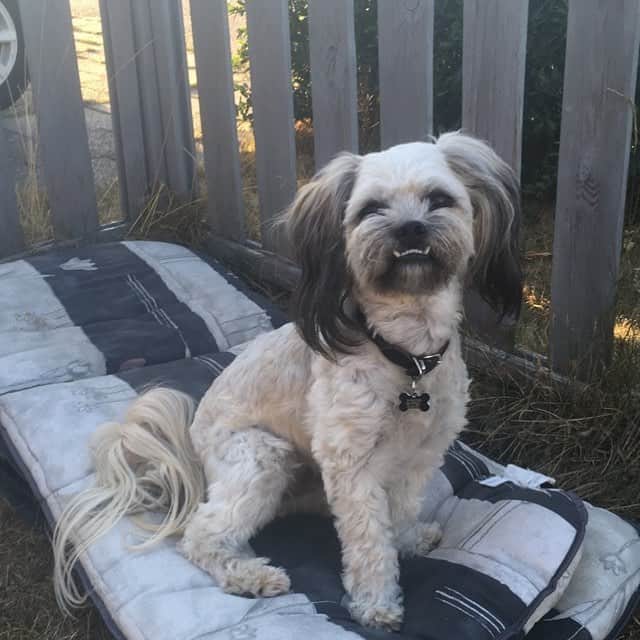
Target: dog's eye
column 439, row 200
column 371, row 208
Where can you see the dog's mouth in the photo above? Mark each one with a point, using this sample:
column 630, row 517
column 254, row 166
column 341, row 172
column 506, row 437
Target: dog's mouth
column 413, row 256
column 413, row 270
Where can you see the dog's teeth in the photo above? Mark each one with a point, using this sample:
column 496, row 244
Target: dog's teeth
column 409, row 252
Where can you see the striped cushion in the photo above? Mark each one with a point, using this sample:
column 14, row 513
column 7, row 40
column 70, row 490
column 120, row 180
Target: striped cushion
column 118, row 306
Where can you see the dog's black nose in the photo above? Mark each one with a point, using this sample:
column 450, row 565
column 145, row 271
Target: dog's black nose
column 414, row 230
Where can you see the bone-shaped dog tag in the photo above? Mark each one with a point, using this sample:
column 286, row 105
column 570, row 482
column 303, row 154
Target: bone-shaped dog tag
column 414, row 400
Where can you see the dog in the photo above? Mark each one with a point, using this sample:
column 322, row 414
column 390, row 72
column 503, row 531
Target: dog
column 352, row 406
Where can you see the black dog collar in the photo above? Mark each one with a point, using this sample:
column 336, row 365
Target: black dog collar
column 414, row 366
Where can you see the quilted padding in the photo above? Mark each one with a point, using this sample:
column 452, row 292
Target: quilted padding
column 80, row 313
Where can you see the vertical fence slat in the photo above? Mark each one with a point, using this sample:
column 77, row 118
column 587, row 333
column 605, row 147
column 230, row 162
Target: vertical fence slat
column 174, row 94
column 126, row 114
column 11, row 239
column 218, row 116
column 597, row 113
column 165, row 100
column 333, row 78
column 405, row 37
column 149, row 94
column 62, row 132
column 272, row 98
column 493, row 66
column 493, row 70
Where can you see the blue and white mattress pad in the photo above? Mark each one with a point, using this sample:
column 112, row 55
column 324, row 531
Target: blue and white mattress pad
column 84, row 331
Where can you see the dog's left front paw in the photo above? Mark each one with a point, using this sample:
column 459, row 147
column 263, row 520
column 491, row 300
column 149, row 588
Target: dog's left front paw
column 386, row 616
column 420, row 539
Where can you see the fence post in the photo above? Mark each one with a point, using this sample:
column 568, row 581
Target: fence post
column 272, row 98
column 493, row 68
column 333, row 78
column 174, row 94
column 150, row 96
column 126, row 114
column 405, row 36
column 218, row 115
column 62, row 132
column 11, row 239
column 597, row 114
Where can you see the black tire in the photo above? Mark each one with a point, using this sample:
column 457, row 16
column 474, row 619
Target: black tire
column 18, row 80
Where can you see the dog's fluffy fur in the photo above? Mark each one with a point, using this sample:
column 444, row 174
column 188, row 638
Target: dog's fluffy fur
column 314, row 405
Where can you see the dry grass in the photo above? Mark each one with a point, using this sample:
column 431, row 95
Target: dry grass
column 28, row 609
column 304, row 169
column 167, row 219
column 537, row 236
column 33, row 203
column 588, row 438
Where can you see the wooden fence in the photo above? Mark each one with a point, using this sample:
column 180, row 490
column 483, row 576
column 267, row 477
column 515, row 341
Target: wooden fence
column 145, row 52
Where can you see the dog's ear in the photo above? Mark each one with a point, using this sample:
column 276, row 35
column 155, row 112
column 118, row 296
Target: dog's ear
column 315, row 225
column 495, row 197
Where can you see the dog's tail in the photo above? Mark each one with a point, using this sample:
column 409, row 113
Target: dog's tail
column 147, row 463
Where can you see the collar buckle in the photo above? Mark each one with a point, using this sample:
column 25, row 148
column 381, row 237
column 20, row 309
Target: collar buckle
column 424, row 365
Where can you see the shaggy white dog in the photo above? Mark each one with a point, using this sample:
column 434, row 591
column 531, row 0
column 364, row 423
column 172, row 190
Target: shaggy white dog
column 356, row 402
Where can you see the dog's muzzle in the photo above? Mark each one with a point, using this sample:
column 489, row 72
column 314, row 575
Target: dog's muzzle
column 411, row 243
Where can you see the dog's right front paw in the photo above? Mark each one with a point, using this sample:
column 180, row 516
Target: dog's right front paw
column 386, row 616
column 429, row 535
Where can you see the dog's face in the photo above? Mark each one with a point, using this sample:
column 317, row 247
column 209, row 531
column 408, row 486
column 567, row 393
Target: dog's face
column 410, row 220
column 408, row 223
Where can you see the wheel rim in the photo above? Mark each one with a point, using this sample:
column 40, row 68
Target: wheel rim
column 8, row 43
